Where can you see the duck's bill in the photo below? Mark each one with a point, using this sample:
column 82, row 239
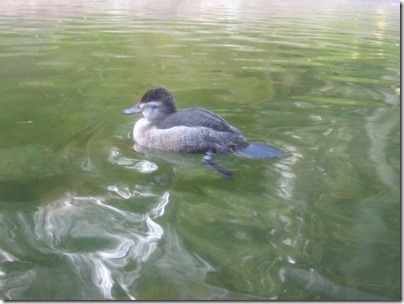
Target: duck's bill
column 132, row 110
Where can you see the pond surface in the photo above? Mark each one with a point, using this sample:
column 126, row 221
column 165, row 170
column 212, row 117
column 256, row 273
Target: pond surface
column 84, row 216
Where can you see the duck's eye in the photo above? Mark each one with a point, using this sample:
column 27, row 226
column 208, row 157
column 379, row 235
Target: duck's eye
column 153, row 105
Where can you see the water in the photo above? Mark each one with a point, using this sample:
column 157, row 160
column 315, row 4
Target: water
column 85, row 217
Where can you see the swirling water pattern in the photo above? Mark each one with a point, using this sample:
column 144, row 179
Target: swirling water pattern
column 85, row 217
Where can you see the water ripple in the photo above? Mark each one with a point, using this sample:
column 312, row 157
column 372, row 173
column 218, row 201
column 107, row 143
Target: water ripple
column 143, row 166
column 113, row 241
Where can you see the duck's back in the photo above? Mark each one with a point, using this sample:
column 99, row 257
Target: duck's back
column 196, row 117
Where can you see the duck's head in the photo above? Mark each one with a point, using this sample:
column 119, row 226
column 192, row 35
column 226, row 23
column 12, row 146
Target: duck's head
column 154, row 105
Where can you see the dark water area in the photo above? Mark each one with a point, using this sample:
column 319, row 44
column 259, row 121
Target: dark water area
column 85, row 217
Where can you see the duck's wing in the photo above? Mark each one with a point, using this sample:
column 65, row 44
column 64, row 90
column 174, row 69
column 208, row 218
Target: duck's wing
column 196, row 117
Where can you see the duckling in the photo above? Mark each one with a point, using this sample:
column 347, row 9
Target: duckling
column 191, row 130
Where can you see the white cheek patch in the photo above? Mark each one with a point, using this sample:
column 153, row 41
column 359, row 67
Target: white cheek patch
column 151, row 110
column 154, row 104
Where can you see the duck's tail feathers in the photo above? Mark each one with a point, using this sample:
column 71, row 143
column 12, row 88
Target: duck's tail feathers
column 257, row 150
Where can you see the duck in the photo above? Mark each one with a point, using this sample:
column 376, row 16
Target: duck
column 190, row 130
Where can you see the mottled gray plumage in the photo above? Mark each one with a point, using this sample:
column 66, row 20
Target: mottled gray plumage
column 187, row 139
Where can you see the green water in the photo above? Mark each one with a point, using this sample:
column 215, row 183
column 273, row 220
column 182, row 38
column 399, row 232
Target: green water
column 83, row 216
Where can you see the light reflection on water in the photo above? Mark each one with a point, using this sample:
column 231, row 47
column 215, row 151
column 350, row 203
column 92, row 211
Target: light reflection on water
column 83, row 206
column 114, row 243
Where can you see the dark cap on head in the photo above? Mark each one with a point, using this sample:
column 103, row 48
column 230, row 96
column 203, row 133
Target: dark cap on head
column 163, row 95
